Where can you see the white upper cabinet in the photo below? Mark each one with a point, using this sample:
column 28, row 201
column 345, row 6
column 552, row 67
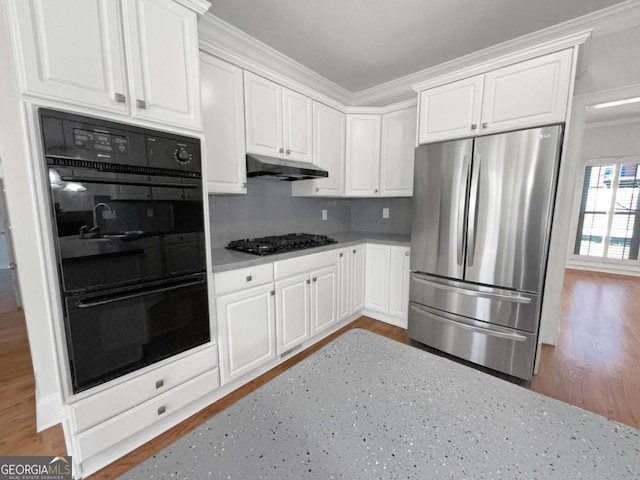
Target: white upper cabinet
column 450, row 111
column 363, row 155
column 78, row 52
column 162, row 40
column 529, row 93
column 298, row 130
column 397, row 153
column 278, row 120
column 263, row 106
column 328, row 153
column 526, row 94
column 72, row 50
column 222, row 95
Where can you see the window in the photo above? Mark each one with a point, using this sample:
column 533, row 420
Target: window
column 609, row 218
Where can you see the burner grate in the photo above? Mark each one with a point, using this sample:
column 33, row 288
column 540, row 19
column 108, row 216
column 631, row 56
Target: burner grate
column 280, row 243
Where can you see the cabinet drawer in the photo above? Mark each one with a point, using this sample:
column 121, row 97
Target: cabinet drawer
column 119, row 428
column 294, row 266
column 234, row 280
column 111, row 402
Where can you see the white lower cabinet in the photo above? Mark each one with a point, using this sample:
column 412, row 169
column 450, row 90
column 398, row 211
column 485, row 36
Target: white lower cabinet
column 324, row 285
column 387, row 282
column 246, row 327
column 292, row 311
column 399, row 279
column 351, row 279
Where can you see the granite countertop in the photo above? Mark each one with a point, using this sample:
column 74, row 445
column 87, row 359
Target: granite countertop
column 224, row 259
column 367, row 407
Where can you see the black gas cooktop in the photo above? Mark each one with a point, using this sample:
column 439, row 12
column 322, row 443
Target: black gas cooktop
column 280, row 243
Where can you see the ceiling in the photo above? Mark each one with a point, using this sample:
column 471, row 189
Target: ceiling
column 359, row 44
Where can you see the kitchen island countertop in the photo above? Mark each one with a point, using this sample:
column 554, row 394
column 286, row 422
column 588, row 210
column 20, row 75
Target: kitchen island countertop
column 224, row 259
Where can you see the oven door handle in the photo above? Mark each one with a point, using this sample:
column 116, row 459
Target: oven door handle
column 118, row 181
column 105, row 300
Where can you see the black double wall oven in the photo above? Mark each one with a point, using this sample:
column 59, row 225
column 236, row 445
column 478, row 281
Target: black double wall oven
column 128, row 223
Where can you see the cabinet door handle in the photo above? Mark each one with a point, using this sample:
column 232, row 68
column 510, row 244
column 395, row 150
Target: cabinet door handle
column 354, row 252
column 120, row 98
column 341, row 255
column 159, row 383
column 244, row 185
column 141, row 104
column 317, row 189
column 281, row 150
column 315, row 279
column 406, row 254
column 249, row 278
column 162, row 409
column 308, row 281
column 288, row 152
column 474, row 126
column 485, row 125
column 375, row 191
column 273, row 293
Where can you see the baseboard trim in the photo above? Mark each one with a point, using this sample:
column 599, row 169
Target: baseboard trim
column 48, row 411
column 386, row 318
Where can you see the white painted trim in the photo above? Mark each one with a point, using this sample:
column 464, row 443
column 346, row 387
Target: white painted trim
column 509, row 56
column 48, row 411
column 383, row 110
column 198, row 6
column 615, row 269
column 383, row 317
column 228, row 43
column 612, row 123
column 570, row 172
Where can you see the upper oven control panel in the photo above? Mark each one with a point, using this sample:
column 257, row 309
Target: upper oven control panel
column 101, row 141
column 167, row 152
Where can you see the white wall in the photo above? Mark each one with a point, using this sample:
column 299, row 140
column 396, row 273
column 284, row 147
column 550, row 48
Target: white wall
column 611, row 64
column 612, row 141
column 28, row 245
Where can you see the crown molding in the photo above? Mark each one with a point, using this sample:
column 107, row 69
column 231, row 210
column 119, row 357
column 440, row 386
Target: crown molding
column 198, row 6
column 229, row 43
column 219, row 38
column 382, row 110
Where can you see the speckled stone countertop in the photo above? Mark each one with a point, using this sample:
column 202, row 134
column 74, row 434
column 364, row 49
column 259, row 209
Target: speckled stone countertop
column 224, row 259
column 367, row 407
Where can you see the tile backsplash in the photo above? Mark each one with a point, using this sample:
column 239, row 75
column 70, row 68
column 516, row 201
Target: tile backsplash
column 269, row 209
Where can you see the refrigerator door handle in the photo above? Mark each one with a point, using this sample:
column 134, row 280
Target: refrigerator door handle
column 474, row 293
column 461, row 210
column 473, row 210
column 484, row 331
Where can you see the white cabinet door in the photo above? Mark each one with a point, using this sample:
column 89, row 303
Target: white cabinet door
column 450, row 111
column 292, row 311
column 328, row 154
column 223, row 123
column 358, row 271
column 377, row 278
column 526, row 94
column 397, row 153
column 246, row 327
column 72, row 50
column 161, row 39
column 263, row 116
column 324, row 285
column 298, row 131
column 399, row 276
column 363, row 155
column 344, row 283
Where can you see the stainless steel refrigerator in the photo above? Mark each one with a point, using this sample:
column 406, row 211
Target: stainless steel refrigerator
column 482, row 211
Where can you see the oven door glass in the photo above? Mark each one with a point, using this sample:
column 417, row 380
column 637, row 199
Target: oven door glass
column 115, row 229
column 115, row 332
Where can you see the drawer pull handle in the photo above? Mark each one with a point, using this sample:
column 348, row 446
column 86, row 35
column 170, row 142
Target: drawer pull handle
column 341, row 255
column 354, row 251
column 159, row 383
column 161, row 410
column 249, row 278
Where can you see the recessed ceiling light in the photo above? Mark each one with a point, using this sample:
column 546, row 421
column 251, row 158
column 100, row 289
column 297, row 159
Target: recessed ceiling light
column 617, row 102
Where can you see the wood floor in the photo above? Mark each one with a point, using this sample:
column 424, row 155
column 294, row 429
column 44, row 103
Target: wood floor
column 594, row 367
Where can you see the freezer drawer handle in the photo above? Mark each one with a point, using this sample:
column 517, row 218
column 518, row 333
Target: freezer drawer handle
column 483, row 331
column 473, row 293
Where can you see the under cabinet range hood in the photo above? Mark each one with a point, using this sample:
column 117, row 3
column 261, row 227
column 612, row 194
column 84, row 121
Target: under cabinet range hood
column 279, row 169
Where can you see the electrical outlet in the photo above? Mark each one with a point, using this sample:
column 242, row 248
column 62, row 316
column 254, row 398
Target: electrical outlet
column 149, row 212
column 324, row 214
column 385, row 213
